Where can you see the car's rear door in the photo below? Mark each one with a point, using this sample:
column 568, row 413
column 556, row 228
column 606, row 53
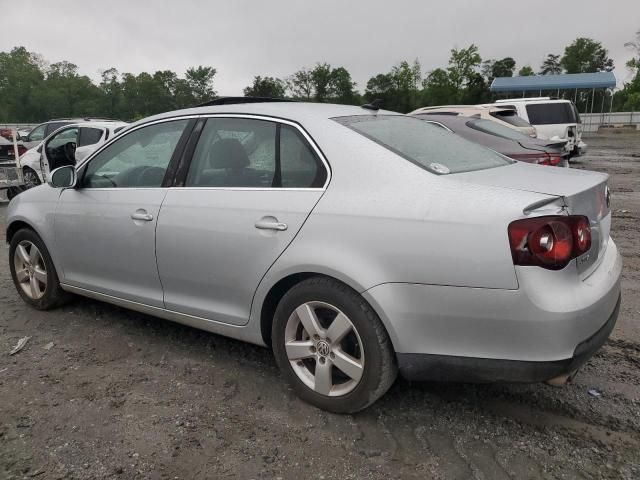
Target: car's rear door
column 105, row 227
column 250, row 186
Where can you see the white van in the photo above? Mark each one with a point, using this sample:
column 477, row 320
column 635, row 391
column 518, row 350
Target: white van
column 553, row 119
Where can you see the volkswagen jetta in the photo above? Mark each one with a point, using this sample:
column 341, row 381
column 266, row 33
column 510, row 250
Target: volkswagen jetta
column 354, row 242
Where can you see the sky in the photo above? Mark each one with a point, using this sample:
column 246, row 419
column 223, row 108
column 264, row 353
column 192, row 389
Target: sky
column 243, row 38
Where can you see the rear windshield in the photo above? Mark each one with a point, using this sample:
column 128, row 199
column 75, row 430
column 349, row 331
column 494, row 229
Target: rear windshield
column 551, row 113
column 425, row 145
column 494, row 128
column 511, row 117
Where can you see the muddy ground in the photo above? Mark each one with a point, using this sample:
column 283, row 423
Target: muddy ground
column 124, row 395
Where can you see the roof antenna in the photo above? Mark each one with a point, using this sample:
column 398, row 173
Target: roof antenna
column 375, row 105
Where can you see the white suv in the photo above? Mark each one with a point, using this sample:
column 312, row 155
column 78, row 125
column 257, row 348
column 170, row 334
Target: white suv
column 553, row 119
column 65, row 146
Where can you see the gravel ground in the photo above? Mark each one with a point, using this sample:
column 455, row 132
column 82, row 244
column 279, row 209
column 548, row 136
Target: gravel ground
column 101, row 392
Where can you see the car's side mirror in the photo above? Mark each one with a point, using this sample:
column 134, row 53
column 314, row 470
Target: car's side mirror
column 63, row 177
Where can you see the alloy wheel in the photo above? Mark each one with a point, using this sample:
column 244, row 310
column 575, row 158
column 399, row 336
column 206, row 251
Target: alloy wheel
column 30, row 179
column 31, row 271
column 324, row 349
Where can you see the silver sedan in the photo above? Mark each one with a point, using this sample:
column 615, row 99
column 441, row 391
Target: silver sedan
column 354, row 242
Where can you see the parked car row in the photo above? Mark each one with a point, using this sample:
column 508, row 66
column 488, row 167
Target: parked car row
column 503, row 140
column 547, row 118
column 356, row 243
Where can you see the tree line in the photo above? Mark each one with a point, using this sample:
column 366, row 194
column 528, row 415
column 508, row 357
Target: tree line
column 32, row 90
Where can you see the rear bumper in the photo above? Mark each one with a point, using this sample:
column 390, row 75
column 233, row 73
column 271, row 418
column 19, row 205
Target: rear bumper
column 530, row 333
column 421, row 367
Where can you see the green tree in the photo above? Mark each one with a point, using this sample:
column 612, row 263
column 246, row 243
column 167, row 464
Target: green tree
column 551, row 65
column 343, row 87
column 266, row 87
column 200, row 80
column 438, row 89
column 381, row 87
column 21, row 74
column 399, row 89
column 111, row 92
column 634, row 45
column 477, row 90
column 586, row 55
column 301, row 84
column 526, row 71
column 321, row 79
column 504, row 67
column 463, row 64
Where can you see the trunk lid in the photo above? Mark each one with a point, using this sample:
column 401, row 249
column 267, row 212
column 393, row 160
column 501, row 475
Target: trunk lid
column 580, row 192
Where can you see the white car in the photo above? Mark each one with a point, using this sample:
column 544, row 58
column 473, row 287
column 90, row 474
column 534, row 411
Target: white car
column 66, row 146
column 505, row 116
column 553, row 119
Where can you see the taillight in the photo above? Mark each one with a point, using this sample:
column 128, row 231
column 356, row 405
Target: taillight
column 549, row 242
column 541, row 158
column 554, row 160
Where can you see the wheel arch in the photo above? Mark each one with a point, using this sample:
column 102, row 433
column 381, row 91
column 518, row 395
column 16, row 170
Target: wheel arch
column 15, row 226
column 280, row 287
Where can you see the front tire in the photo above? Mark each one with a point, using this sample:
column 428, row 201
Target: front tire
column 33, row 272
column 332, row 347
column 30, row 178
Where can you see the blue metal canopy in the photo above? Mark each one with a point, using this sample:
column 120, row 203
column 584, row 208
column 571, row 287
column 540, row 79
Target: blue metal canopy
column 567, row 81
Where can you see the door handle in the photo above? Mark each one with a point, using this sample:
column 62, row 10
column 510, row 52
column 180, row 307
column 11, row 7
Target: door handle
column 142, row 215
column 268, row 224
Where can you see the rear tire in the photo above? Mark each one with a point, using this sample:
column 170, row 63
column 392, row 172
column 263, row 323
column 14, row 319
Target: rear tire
column 343, row 374
column 33, row 272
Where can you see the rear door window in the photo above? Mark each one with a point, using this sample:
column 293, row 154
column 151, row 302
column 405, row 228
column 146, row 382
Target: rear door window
column 550, row 113
column 251, row 153
column 89, row 136
column 510, row 117
column 494, row 128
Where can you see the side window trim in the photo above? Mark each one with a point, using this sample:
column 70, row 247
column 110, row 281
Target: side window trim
column 185, row 162
column 81, row 169
column 131, row 130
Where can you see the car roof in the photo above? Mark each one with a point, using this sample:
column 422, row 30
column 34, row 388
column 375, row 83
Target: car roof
column 474, row 108
column 533, row 100
column 294, row 111
column 101, row 124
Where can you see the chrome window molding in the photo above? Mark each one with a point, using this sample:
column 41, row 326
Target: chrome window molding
column 267, row 118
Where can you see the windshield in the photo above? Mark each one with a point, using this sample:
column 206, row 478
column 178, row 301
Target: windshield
column 493, row 128
column 429, row 147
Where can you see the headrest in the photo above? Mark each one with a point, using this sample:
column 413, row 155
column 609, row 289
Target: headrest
column 228, row 153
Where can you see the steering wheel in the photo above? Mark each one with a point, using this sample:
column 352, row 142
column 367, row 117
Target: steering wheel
column 70, row 152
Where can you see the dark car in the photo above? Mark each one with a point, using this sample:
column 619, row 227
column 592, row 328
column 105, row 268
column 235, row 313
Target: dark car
column 7, row 151
column 502, row 139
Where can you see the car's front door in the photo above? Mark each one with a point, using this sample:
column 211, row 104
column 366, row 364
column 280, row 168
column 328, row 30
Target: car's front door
column 105, row 228
column 250, row 187
column 59, row 150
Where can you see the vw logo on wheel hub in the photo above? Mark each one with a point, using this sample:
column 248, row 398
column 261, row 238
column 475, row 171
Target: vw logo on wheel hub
column 323, row 348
